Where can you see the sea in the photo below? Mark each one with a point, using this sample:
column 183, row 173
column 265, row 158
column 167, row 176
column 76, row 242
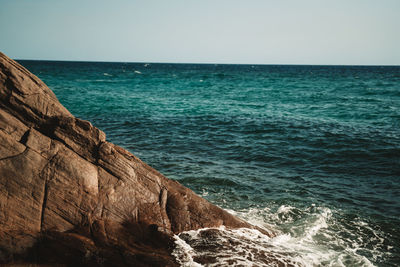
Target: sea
column 309, row 152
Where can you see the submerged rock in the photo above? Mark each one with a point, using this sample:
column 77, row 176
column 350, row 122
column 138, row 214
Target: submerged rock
column 67, row 196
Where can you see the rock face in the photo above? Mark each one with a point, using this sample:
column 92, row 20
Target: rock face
column 69, row 197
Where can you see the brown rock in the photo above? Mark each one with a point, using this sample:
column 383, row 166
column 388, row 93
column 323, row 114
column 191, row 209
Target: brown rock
column 69, row 197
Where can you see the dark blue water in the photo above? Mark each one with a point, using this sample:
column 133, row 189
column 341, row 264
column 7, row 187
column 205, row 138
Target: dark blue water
column 311, row 151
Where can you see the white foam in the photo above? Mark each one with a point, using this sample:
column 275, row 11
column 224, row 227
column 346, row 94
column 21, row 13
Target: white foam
column 204, row 193
column 184, row 253
column 309, row 236
column 227, row 247
column 284, row 209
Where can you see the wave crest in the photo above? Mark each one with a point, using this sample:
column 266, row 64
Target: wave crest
column 311, row 236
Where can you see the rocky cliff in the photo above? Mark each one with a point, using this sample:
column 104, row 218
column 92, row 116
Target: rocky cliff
column 69, row 197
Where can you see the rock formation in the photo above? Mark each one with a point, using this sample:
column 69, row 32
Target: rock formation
column 69, row 197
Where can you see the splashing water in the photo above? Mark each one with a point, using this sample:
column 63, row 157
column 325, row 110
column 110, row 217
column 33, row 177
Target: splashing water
column 309, row 237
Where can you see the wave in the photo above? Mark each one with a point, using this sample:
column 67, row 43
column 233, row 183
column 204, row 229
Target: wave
column 305, row 237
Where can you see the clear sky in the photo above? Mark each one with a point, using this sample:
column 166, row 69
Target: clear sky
column 362, row 32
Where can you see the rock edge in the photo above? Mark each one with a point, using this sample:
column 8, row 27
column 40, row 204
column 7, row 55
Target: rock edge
column 69, row 197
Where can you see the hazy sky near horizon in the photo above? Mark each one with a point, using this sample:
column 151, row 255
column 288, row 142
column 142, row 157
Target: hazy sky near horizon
column 365, row 32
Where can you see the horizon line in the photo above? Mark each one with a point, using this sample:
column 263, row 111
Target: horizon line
column 211, row 63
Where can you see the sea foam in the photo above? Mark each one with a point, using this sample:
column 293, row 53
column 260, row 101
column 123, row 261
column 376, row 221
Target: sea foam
column 308, row 237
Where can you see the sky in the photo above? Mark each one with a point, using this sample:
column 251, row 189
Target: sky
column 336, row 32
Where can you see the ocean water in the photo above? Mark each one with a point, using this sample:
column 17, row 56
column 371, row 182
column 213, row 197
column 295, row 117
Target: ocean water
column 311, row 152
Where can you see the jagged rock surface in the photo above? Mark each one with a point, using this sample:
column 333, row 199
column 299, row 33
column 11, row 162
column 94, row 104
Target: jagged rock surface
column 67, row 196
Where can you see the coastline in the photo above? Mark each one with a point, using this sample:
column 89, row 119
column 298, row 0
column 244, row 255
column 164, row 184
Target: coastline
column 92, row 198
column 263, row 143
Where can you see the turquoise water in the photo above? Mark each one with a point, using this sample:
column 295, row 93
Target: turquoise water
column 310, row 151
